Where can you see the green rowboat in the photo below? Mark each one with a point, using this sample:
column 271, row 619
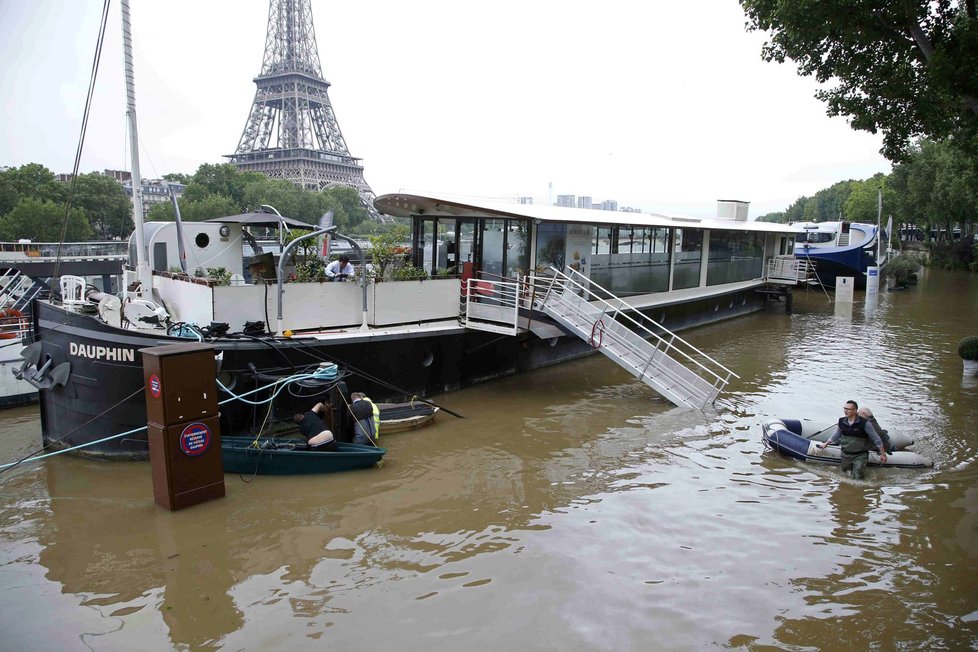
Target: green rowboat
column 280, row 457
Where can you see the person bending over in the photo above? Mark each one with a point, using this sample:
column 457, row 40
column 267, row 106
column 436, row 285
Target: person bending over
column 858, row 438
column 339, row 270
column 314, row 429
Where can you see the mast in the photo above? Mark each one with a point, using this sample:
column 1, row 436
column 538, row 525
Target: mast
column 143, row 274
column 879, row 224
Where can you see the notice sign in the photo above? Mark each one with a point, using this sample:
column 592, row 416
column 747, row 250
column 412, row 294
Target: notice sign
column 844, row 286
column 155, row 386
column 195, row 439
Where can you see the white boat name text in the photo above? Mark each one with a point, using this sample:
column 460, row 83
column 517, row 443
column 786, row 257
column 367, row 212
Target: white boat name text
column 116, row 353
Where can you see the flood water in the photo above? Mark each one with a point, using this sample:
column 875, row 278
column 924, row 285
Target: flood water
column 571, row 509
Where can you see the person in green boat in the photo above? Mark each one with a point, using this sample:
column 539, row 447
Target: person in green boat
column 313, row 428
column 366, row 414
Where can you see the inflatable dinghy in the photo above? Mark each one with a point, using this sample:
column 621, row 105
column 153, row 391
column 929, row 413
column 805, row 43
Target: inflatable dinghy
column 793, row 438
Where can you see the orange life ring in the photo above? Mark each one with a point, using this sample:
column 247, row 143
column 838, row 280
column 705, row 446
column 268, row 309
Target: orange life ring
column 12, row 323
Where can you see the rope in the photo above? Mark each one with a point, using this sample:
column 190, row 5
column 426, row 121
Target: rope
column 81, row 136
column 34, row 455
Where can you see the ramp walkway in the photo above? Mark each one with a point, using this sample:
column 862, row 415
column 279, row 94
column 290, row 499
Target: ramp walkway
column 668, row 364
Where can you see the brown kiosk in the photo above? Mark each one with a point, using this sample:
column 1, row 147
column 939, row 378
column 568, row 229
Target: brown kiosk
column 184, row 425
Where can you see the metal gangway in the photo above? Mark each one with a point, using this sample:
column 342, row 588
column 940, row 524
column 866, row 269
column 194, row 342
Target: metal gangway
column 670, row 365
column 17, row 290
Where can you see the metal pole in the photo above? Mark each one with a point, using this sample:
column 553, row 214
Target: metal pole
column 143, row 273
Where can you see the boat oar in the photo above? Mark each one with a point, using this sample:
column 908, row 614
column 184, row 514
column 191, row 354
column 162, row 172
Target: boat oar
column 821, row 431
column 389, row 386
column 433, row 404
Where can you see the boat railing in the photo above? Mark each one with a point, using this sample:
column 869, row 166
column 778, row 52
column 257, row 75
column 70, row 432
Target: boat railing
column 14, row 325
column 493, row 302
column 576, row 284
column 789, row 270
column 34, row 250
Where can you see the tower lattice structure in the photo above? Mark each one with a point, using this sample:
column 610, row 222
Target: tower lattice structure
column 292, row 132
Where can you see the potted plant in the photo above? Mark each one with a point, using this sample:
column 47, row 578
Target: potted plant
column 900, row 271
column 968, row 350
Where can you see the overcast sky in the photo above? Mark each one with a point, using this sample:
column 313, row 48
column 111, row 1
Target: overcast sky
column 660, row 105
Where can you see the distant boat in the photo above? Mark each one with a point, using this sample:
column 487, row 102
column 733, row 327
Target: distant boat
column 800, row 441
column 14, row 336
column 280, row 457
column 838, row 249
column 398, row 417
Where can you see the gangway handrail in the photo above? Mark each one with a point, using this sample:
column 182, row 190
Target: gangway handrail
column 669, row 344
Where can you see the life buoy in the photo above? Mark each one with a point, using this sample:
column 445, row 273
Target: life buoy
column 12, row 324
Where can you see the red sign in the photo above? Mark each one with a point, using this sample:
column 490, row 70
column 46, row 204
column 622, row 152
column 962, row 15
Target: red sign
column 155, row 386
column 195, row 439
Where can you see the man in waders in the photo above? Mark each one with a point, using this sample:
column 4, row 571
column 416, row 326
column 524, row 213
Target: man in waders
column 858, row 438
column 366, row 414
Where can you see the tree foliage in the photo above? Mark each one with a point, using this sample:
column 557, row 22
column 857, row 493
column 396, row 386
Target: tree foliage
column 936, row 187
column 42, row 221
column 33, row 181
column 105, row 204
column 904, row 67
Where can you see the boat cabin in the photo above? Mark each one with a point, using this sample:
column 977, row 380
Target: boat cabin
column 626, row 253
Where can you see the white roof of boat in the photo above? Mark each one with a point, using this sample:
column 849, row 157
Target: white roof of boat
column 407, row 205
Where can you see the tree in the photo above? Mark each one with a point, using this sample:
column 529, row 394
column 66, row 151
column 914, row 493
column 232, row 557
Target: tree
column 345, row 201
column 386, row 250
column 32, row 181
column 936, row 186
column 105, row 204
column 906, row 68
column 862, row 204
column 42, row 221
column 221, row 179
column 207, row 208
column 178, row 177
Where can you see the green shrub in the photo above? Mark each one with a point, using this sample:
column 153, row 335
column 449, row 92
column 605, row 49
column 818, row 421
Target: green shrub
column 901, row 269
column 409, row 273
column 219, row 275
column 311, row 270
column 968, row 348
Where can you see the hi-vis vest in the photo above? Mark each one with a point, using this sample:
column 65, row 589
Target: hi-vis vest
column 376, row 411
column 375, row 415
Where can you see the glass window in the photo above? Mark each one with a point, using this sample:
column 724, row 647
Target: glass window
column 688, row 249
column 551, row 246
column 517, row 251
column 493, row 246
column 445, row 251
column 734, row 256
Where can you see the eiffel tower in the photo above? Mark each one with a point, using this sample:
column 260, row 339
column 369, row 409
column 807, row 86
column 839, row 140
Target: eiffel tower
column 292, row 132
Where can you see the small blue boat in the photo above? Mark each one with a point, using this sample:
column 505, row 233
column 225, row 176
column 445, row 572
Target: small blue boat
column 792, row 438
column 270, row 456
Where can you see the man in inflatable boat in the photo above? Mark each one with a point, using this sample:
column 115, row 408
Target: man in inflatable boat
column 858, row 438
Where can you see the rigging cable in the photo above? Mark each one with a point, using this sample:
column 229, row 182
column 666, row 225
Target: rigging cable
column 81, row 135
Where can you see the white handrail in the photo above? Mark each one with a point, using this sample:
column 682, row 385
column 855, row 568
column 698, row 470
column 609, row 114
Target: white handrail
column 617, row 311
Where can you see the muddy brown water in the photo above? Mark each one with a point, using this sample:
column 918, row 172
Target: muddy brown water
column 571, row 509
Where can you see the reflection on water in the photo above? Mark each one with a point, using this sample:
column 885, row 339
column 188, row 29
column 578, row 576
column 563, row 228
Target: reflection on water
column 570, row 509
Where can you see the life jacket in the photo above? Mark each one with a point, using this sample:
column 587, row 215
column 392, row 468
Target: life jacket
column 857, row 429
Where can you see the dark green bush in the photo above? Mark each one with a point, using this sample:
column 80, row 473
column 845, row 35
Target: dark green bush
column 901, row 269
column 968, row 348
